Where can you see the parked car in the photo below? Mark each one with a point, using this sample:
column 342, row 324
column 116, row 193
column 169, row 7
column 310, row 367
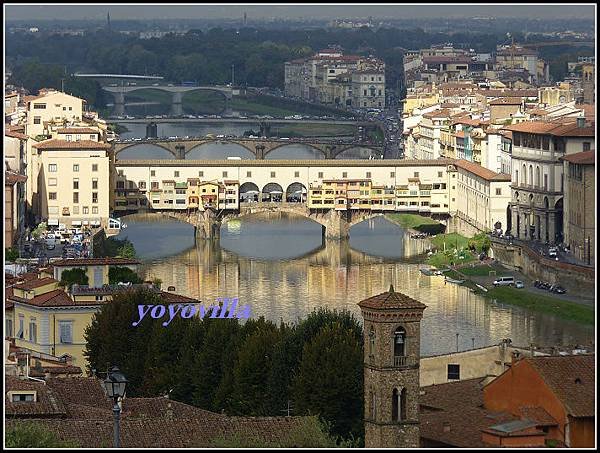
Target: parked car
column 519, row 284
column 504, row 281
column 558, row 289
column 552, row 252
column 50, row 246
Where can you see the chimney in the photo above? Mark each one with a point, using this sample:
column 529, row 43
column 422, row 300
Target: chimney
column 581, row 121
column 446, row 427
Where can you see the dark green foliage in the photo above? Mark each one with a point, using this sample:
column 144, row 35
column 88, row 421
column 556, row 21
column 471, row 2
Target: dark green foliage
column 11, row 254
column 329, row 380
column 73, row 276
column 34, row 435
column 253, row 368
column 112, row 247
column 122, row 274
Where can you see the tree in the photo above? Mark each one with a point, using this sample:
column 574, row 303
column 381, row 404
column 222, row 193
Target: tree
column 11, row 254
column 122, row 274
column 329, row 380
column 71, row 277
column 39, row 230
column 34, row 435
column 126, row 250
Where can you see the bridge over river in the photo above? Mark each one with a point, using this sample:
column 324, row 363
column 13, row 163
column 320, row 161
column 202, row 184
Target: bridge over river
column 260, row 147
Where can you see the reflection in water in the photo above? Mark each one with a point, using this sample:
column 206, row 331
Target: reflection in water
column 145, row 151
column 212, row 151
column 337, row 275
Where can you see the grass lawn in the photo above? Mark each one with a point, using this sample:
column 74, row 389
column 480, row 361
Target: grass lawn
column 452, row 240
column 411, row 220
column 478, row 271
column 546, row 304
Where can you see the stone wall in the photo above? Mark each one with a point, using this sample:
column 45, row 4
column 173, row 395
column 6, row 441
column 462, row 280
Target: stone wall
column 576, row 279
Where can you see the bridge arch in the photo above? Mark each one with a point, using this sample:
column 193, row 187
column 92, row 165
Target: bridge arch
column 196, row 152
column 356, row 152
column 322, row 152
column 296, row 191
column 274, row 191
column 119, row 152
column 249, row 190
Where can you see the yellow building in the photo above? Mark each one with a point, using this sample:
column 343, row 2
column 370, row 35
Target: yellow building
column 193, row 194
column 209, row 194
column 73, row 182
column 51, row 106
column 421, row 100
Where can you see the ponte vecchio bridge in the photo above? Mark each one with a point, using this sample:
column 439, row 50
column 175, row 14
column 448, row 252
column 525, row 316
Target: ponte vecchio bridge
column 260, row 147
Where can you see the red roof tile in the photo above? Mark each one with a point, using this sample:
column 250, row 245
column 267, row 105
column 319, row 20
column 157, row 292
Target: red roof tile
column 15, row 134
column 64, row 144
column 35, row 283
column 77, row 130
column 482, row 172
column 560, row 129
column 11, row 178
column 55, row 298
column 391, row 300
column 583, row 158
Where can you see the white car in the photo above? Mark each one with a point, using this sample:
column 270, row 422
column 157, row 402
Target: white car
column 519, row 284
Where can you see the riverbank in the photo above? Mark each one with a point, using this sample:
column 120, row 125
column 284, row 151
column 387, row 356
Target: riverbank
column 565, row 306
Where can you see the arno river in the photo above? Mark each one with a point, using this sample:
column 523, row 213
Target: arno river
column 283, row 269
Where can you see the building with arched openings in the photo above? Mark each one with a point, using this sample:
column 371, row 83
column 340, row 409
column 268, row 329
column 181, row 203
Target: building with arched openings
column 392, row 331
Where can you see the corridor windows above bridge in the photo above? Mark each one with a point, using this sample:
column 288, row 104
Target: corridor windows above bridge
column 321, row 174
column 152, row 172
column 392, row 174
column 200, row 174
column 368, row 174
column 344, row 174
column 248, row 174
column 224, row 174
column 272, row 174
column 416, row 174
column 296, row 174
column 176, row 174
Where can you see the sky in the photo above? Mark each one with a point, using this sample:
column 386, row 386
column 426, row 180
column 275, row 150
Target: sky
column 283, row 11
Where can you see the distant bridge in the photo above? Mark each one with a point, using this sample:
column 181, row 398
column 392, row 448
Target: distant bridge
column 177, row 91
column 118, row 76
column 258, row 146
column 239, row 120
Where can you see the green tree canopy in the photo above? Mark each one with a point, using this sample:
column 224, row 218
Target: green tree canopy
column 71, row 277
column 123, row 274
column 34, row 435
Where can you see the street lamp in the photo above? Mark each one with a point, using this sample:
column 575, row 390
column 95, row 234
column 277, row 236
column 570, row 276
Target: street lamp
column 114, row 386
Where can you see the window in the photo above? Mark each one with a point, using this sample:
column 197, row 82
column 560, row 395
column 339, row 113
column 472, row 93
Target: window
column 498, row 191
column 272, row 174
column 32, row 331
column 545, row 182
column 249, row 174
column 154, row 185
column 399, row 402
column 141, row 185
column 392, row 174
column 9, row 328
column 75, row 197
column 65, row 331
column 200, row 174
column 21, row 327
column 22, row 397
column 76, row 184
column 37, row 120
column 224, row 174
column 152, row 172
column 453, row 371
column 176, row 174
column 51, row 181
column 51, row 195
column 399, row 342
column 416, row 174
column 52, row 209
column 440, row 173
column 296, row 174
column 95, row 184
column 94, row 167
column 75, row 167
column 94, row 209
column 586, row 146
column 52, row 168
column 94, row 197
column 86, row 210
column 368, row 174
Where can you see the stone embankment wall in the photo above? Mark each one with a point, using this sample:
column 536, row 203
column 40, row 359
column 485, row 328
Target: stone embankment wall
column 576, row 279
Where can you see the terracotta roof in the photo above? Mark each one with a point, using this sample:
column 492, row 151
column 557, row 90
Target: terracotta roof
column 583, row 158
column 572, row 380
column 47, row 404
column 35, row 283
column 447, row 59
column 453, row 413
column 55, row 298
column 391, row 300
column 439, row 113
column 11, row 178
column 94, row 262
column 171, row 298
column 15, row 134
column 538, row 415
column 77, row 130
column 64, row 144
column 482, row 172
column 560, row 129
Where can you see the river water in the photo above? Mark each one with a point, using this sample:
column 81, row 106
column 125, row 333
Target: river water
column 215, row 150
column 283, row 269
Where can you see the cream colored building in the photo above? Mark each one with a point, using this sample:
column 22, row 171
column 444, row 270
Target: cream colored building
column 50, row 106
column 368, row 88
column 483, row 196
column 73, row 182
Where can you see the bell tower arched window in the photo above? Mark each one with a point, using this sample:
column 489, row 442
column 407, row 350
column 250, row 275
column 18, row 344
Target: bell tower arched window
column 372, row 341
column 395, row 413
column 403, row 404
column 400, row 342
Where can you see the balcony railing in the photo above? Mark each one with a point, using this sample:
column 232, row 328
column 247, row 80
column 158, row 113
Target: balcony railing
column 401, row 360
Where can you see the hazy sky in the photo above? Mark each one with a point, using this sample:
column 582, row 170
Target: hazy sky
column 256, row 11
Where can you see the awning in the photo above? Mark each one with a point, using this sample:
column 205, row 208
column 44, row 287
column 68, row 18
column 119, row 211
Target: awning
column 52, row 222
column 76, row 223
column 85, row 222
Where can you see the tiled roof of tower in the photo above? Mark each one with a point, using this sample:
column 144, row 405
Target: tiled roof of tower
column 391, row 300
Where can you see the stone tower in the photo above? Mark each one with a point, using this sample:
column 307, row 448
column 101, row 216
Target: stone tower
column 392, row 334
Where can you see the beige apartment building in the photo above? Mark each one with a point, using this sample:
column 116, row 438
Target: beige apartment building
column 368, row 88
column 580, row 197
column 51, row 106
column 73, row 182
